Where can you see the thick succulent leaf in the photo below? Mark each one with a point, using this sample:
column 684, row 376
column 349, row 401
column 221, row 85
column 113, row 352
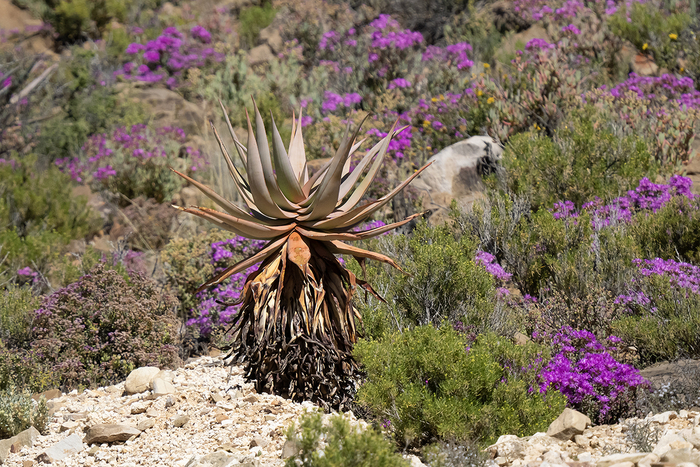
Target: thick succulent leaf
column 266, row 162
column 345, row 249
column 254, row 225
column 352, row 178
column 256, row 179
column 238, row 179
column 386, row 228
column 288, row 182
column 314, row 181
column 239, row 147
column 298, row 251
column 240, row 227
column 223, row 203
column 326, row 199
column 270, row 249
column 297, row 153
column 359, row 214
column 326, row 236
column 362, row 188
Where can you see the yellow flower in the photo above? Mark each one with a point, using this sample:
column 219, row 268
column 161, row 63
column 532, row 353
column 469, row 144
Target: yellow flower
column 645, row 46
column 487, row 66
column 441, row 97
column 490, row 100
column 682, row 70
column 426, row 123
column 479, row 93
column 673, row 37
column 434, row 99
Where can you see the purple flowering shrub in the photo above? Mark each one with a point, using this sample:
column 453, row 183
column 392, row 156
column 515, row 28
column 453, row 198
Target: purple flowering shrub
column 647, row 196
column 188, row 263
column 662, row 303
column 134, row 162
column 96, row 330
column 168, row 57
column 588, row 373
column 216, row 306
column 664, row 108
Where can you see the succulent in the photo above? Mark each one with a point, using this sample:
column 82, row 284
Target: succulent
column 297, row 324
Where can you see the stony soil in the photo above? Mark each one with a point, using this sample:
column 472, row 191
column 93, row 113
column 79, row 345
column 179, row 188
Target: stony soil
column 214, row 419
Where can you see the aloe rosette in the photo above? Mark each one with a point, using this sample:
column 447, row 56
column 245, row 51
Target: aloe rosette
column 297, row 323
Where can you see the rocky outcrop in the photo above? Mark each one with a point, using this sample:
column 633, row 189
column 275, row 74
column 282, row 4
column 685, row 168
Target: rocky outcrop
column 139, row 380
column 455, row 173
column 110, row 433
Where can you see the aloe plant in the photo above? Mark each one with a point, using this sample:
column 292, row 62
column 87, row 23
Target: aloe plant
column 297, row 324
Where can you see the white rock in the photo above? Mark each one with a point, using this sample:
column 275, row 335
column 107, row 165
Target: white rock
column 139, row 380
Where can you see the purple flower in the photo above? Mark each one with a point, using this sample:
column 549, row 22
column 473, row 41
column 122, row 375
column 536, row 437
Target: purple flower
column 399, row 83
column 134, row 48
column 151, row 56
column 200, row 33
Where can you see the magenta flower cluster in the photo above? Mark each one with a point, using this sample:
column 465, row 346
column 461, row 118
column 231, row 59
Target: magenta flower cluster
column 385, row 36
column 488, row 261
column 333, row 101
column 681, row 90
column 169, row 55
column 585, row 371
column 105, row 156
column 647, row 196
column 398, row 143
column 680, row 275
column 215, row 306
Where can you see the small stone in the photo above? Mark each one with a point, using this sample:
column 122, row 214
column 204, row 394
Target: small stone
column 48, row 395
column 226, row 422
column 582, row 441
column 623, row 464
column 609, row 461
column 76, row 416
column 139, row 380
column 568, row 424
column 180, row 420
column 144, row 425
column 269, row 418
column 664, row 417
column 221, row 417
column 28, row 463
column 217, row 397
column 93, row 450
column 218, row 459
column 64, row 448
column 585, row 457
column 251, row 398
column 70, row 427
column 138, row 408
column 162, row 387
column 259, row 442
column 153, row 413
column 110, row 433
column 677, row 456
column 169, row 402
column 290, row 448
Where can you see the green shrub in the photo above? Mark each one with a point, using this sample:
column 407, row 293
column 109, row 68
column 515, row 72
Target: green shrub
column 339, row 444
column 584, row 159
column 650, row 25
column 39, row 216
column 541, row 251
column 441, row 281
column 253, row 19
column 16, row 307
column 25, row 369
column 673, row 232
column 666, row 327
column 187, row 265
column 428, row 384
column 87, row 107
column 18, row 412
column 95, row 331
